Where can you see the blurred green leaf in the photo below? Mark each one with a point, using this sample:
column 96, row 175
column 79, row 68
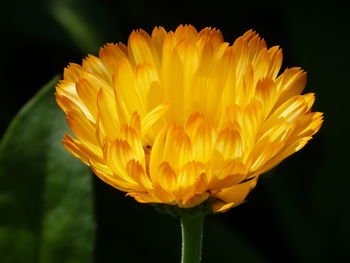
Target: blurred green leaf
column 45, row 193
column 81, row 30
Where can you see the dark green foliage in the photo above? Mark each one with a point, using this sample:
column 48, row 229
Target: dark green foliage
column 45, row 193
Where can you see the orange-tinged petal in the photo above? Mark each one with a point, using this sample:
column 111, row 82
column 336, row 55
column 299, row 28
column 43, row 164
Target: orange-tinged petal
column 88, row 87
column 306, row 127
column 187, row 32
column 266, row 94
column 83, row 129
column 139, row 48
column 275, row 56
column 269, row 144
column 202, row 136
column 167, row 178
column 68, row 90
column 290, row 83
column 72, row 72
column 132, row 136
column 110, row 54
column 212, row 35
column 95, row 66
column 151, row 118
column 177, row 148
column 233, row 195
column 229, row 144
column 194, row 200
column 108, row 122
column 189, row 175
column 158, row 36
column 231, row 173
column 157, row 153
column 145, row 198
column 77, row 148
column 136, row 170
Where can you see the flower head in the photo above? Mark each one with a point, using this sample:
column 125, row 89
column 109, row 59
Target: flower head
column 183, row 117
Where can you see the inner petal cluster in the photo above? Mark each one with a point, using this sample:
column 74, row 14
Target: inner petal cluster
column 183, row 117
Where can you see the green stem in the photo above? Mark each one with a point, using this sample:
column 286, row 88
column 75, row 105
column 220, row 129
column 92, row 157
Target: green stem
column 192, row 228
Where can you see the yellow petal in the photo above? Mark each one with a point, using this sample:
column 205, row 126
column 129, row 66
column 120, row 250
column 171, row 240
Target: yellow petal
column 177, row 148
column 110, row 54
column 95, row 66
column 189, row 175
column 202, row 136
column 139, row 48
column 108, row 122
column 68, row 98
column 233, row 195
column 290, row 83
column 150, row 120
column 126, row 90
column 72, row 72
column 229, row 144
column 83, row 129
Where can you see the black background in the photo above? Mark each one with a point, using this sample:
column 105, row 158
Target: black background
column 297, row 213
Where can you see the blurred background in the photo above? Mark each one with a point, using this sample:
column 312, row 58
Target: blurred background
column 299, row 212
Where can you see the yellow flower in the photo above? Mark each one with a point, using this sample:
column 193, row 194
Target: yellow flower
column 183, row 117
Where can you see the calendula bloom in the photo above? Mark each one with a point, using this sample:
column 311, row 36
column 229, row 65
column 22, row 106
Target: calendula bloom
column 183, row 117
